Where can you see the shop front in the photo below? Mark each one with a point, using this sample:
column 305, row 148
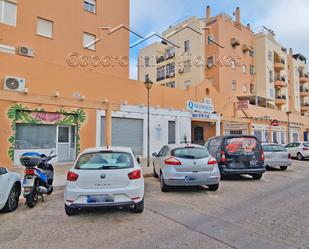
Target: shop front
column 129, row 128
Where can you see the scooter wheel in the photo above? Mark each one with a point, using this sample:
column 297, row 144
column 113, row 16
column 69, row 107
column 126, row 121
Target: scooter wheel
column 32, row 198
column 50, row 191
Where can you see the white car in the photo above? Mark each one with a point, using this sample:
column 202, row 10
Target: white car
column 10, row 189
column 105, row 177
column 299, row 150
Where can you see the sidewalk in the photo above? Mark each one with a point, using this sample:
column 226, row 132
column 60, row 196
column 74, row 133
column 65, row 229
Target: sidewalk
column 62, row 169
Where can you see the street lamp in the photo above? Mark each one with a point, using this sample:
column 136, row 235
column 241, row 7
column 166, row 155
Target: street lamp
column 289, row 135
column 148, row 84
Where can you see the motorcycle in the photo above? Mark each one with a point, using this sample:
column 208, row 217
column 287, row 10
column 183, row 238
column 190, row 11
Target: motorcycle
column 38, row 178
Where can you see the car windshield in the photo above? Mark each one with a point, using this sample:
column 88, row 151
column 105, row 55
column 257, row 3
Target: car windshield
column 273, row 148
column 241, row 145
column 105, row 160
column 190, row 153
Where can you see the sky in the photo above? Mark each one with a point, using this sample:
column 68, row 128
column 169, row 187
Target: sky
column 288, row 18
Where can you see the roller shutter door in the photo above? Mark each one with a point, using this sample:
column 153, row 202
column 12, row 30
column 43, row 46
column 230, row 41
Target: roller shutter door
column 126, row 133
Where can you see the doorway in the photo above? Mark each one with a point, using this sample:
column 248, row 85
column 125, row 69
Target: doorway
column 198, row 133
column 66, row 145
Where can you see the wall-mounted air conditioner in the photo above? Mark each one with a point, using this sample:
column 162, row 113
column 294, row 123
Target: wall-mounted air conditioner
column 14, row 84
column 26, row 51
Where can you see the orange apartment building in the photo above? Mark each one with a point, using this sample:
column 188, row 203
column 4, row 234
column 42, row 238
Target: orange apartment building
column 66, row 87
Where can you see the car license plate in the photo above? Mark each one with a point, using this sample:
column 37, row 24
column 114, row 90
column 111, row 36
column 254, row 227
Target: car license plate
column 253, row 163
column 190, row 178
column 99, row 198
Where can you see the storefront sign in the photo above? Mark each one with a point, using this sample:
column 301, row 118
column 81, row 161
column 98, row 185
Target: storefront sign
column 275, row 123
column 200, row 107
column 235, row 126
column 204, row 116
column 242, row 105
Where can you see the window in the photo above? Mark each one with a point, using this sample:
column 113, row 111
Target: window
column 210, row 61
column 244, row 68
column 211, row 38
column 171, row 132
column 63, row 134
column 187, row 46
column 251, row 53
column 244, row 88
column 147, row 62
column 275, row 137
column 171, row 84
column 90, row 5
column 8, row 12
column 45, row 28
column 190, row 153
column 271, row 93
column 170, row 70
column 282, row 137
column 170, row 53
column 89, row 41
column 258, row 134
column 187, row 66
column 233, row 64
column 29, row 136
column 270, row 56
column 234, row 85
column 160, row 73
column 271, row 76
column 252, row 70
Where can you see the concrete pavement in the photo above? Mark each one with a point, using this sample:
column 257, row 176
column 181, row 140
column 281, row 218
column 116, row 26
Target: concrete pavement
column 244, row 213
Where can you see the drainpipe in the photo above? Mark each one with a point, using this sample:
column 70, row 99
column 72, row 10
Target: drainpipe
column 108, row 125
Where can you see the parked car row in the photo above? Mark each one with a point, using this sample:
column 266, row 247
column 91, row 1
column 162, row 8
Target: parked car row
column 112, row 176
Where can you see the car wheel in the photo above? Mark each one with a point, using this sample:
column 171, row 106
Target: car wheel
column 154, row 172
column 13, row 199
column 300, row 156
column 213, row 188
column 283, row 167
column 164, row 187
column 257, row 176
column 139, row 207
column 70, row 211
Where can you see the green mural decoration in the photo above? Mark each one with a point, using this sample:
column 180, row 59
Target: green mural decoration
column 20, row 114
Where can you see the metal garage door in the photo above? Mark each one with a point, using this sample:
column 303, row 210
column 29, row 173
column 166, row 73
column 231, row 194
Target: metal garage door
column 125, row 132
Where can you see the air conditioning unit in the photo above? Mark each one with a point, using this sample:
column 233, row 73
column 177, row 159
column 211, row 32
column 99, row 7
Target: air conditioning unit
column 14, row 84
column 181, row 70
column 26, row 51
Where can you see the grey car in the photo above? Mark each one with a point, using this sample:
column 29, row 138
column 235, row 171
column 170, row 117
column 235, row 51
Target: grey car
column 186, row 165
column 276, row 156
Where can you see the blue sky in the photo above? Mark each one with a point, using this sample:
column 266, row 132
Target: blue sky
column 288, row 18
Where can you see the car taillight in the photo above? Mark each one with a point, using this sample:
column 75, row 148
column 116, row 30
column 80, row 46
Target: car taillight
column 136, row 174
column 262, row 156
column 172, row 161
column 29, row 172
column 290, row 157
column 305, row 148
column 72, row 177
column 223, row 157
column 212, row 161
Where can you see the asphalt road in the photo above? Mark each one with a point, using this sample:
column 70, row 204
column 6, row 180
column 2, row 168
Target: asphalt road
column 244, row 213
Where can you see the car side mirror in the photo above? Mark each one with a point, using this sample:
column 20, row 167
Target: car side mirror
column 138, row 160
column 154, row 154
column 3, row 171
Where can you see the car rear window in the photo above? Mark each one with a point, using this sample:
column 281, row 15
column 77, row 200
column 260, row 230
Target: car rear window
column 241, row 145
column 190, row 153
column 273, row 148
column 105, row 160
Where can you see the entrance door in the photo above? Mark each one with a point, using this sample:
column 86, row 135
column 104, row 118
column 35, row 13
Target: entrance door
column 63, row 144
column 198, row 135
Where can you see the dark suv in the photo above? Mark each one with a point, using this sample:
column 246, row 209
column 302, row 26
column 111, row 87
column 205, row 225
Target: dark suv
column 238, row 155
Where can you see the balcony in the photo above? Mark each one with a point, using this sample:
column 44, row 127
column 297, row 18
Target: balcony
column 279, row 65
column 280, row 82
column 160, row 59
column 304, row 92
column 304, row 107
column 303, row 78
column 280, row 100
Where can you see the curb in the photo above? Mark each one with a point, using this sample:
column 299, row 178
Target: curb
column 61, row 187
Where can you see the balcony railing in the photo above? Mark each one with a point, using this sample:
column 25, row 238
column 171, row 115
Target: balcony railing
column 160, row 59
column 281, row 97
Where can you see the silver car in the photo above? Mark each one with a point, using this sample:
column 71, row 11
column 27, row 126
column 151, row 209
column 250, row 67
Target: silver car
column 186, row 165
column 277, row 156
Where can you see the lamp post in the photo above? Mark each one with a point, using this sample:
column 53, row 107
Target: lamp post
column 289, row 135
column 148, row 85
